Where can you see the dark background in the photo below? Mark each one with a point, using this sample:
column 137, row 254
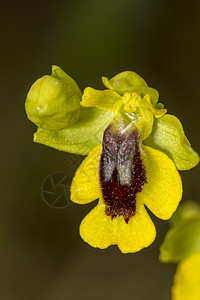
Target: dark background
column 41, row 254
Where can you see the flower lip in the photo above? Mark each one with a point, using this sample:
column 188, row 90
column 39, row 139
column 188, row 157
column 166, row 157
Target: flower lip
column 121, row 173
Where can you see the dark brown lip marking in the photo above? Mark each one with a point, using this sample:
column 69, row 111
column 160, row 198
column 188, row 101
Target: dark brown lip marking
column 121, row 173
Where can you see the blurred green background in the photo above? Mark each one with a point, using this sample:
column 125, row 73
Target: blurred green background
column 41, row 254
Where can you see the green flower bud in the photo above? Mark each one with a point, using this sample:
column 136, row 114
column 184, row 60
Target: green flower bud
column 185, row 211
column 53, row 102
column 181, row 240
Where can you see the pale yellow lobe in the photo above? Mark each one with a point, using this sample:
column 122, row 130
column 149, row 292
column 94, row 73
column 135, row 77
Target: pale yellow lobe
column 105, row 99
column 85, row 185
column 156, row 112
column 98, row 230
column 163, row 190
column 187, row 279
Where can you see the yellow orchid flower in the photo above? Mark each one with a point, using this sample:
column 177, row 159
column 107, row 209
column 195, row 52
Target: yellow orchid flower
column 187, row 279
column 134, row 149
column 125, row 175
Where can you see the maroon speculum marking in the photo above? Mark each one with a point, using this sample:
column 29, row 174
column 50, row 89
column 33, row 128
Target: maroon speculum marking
column 121, row 173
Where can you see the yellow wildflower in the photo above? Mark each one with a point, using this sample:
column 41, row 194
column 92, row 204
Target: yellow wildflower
column 187, row 279
column 125, row 175
column 134, row 149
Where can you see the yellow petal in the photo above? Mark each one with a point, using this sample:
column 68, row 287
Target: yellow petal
column 139, row 233
column 105, row 100
column 187, row 279
column 163, row 190
column 98, row 230
column 85, row 185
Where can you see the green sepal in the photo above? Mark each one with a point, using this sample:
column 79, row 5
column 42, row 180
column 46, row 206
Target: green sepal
column 129, row 81
column 181, row 240
column 168, row 136
column 53, row 102
column 81, row 137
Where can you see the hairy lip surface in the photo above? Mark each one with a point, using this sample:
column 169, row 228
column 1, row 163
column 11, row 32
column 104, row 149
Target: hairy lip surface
column 121, row 173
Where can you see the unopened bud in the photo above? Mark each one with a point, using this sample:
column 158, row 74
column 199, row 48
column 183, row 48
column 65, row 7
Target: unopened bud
column 53, row 102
